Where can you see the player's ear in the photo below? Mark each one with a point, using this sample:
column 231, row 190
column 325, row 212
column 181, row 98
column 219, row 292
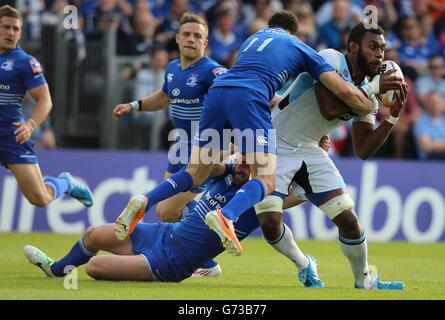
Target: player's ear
column 353, row 47
column 177, row 38
column 206, row 42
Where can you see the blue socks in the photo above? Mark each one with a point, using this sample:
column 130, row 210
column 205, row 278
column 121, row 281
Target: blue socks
column 59, row 185
column 250, row 194
column 78, row 255
column 179, row 182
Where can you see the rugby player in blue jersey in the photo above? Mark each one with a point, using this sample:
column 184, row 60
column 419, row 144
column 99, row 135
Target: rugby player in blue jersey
column 186, row 81
column 21, row 73
column 168, row 252
column 239, row 99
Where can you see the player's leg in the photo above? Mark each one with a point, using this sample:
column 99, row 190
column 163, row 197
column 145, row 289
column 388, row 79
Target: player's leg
column 41, row 191
column 323, row 185
column 270, row 211
column 30, row 181
column 255, row 137
column 119, row 268
column 170, row 210
column 94, row 239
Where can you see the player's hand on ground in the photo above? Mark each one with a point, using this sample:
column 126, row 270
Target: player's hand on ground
column 402, row 96
column 390, row 82
column 121, row 110
column 24, row 131
column 325, row 143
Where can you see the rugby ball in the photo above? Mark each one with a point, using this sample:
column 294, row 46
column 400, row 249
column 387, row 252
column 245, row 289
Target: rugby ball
column 388, row 98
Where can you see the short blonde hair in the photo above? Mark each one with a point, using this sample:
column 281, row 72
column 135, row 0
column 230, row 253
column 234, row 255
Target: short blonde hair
column 194, row 18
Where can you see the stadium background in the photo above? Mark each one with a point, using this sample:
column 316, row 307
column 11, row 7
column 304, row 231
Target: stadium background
column 118, row 54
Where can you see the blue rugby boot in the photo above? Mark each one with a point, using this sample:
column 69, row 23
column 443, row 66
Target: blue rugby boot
column 309, row 276
column 78, row 190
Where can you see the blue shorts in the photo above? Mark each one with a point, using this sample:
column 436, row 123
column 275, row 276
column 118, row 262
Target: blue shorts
column 155, row 241
column 173, row 168
column 12, row 152
column 236, row 113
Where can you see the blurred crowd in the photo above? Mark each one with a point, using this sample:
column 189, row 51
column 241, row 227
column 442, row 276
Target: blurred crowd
column 415, row 35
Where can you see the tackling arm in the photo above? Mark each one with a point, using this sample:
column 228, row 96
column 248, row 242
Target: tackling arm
column 355, row 98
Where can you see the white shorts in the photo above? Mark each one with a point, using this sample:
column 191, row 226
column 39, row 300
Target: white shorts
column 307, row 171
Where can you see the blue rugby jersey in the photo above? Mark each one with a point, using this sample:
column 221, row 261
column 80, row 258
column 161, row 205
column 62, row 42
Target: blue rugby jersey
column 267, row 60
column 187, row 88
column 195, row 241
column 19, row 72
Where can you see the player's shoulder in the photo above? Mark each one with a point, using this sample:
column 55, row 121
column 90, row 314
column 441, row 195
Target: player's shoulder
column 24, row 60
column 332, row 55
column 173, row 65
column 213, row 67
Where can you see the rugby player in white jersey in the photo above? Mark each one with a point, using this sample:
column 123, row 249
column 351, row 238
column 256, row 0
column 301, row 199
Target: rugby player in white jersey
column 307, row 112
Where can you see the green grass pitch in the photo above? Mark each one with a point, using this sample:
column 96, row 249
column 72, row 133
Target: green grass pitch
column 260, row 273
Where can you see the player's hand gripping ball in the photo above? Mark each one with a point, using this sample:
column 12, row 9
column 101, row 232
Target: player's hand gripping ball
column 389, row 97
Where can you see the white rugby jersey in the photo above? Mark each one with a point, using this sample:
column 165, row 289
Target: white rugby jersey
column 300, row 123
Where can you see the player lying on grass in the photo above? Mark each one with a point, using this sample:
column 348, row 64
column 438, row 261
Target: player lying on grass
column 168, row 252
column 310, row 171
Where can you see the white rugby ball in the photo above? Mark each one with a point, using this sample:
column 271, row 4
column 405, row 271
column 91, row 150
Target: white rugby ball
column 389, row 97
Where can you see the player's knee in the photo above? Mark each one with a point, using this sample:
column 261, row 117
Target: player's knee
column 167, row 214
column 38, row 199
column 270, row 225
column 94, row 268
column 337, row 205
column 348, row 225
column 90, row 237
column 198, row 173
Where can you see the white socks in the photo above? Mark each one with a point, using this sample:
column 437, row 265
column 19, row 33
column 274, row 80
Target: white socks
column 286, row 245
column 356, row 250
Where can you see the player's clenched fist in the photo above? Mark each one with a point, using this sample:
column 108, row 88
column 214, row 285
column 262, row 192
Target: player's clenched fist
column 121, row 110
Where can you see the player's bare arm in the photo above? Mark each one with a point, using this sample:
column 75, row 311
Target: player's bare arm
column 366, row 140
column 43, row 106
column 331, row 107
column 156, row 101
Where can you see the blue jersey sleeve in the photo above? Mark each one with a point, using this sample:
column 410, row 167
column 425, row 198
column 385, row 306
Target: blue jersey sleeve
column 164, row 86
column 33, row 74
column 315, row 64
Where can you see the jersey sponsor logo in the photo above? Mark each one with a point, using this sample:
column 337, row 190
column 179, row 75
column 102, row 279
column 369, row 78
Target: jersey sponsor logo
column 170, row 77
column 218, row 71
column 176, row 92
column 261, row 140
column 184, row 101
column 35, row 65
column 5, row 86
column 192, row 81
column 212, row 201
column 8, row 65
column 220, row 198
